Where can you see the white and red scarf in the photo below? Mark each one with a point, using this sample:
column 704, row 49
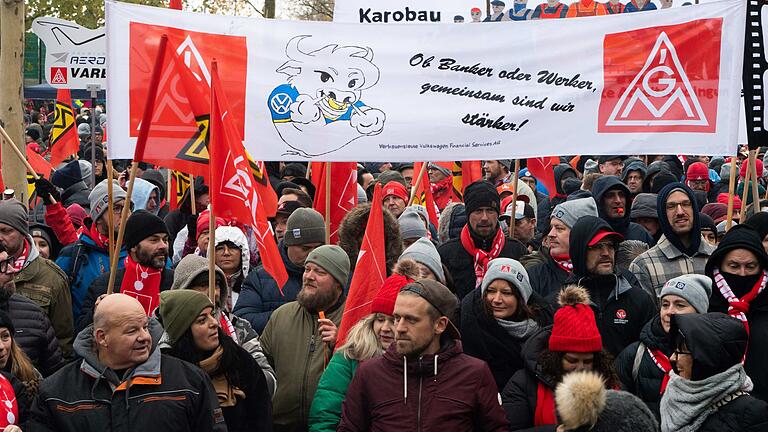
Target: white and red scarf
column 18, row 264
column 738, row 307
column 564, row 262
column 142, row 283
column 662, row 362
column 8, row 404
column 226, row 325
column 480, row 256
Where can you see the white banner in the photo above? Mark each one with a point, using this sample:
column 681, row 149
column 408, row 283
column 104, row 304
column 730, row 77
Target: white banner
column 407, row 11
column 75, row 56
column 666, row 82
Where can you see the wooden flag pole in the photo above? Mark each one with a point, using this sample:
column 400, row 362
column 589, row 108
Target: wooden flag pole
column 328, row 203
column 168, row 188
column 141, row 143
column 193, row 202
column 416, row 185
column 731, row 190
column 513, row 219
column 747, row 178
column 21, row 157
column 755, row 193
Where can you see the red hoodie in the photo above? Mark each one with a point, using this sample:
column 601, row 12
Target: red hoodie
column 449, row 391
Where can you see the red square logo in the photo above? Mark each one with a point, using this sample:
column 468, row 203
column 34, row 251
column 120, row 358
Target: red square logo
column 58, row 75
column 661, row 79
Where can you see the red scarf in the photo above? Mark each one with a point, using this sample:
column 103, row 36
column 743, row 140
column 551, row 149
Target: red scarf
column 662, row 362
column 227, row 326
column 480, row 256
column 442, row 191
column 8, row 404
column 564, row 262
column 142, row 283
column 100, row 240
column 18, row 263
column 545, row 406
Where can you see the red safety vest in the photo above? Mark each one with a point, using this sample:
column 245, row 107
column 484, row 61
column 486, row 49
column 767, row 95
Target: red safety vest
column 556, row 14
column 582, row 10
column 619, row 8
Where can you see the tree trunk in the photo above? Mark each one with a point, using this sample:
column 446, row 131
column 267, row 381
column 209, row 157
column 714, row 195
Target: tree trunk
column 269, row 8
column 11, row 88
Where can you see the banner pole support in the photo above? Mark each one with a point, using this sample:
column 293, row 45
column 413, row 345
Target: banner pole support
column 731, row 190
column 416, row 185
column 513, row 219
column 328, row 202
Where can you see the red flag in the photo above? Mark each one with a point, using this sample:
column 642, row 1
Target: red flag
column 543, row 168
column 64, row 139
column 343, row 192
column 423, row 195
column 234, row 196
column 464, row 174
column 174, row 4
column 41, row 166
column 370, row 270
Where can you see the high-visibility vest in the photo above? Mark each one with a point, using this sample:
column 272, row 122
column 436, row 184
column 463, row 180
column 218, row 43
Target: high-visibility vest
column 549, row 15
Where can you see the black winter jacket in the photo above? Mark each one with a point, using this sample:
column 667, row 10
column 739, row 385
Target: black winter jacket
column 623, row 225
column 260, row 295
column 485, row 339
column 647, row 385
column 743, row 414
column 34, row 333
column 76, row 194
column 161, row 394
column 519, row 395
column 462, row 266
column 548, row 277
column 99, row 287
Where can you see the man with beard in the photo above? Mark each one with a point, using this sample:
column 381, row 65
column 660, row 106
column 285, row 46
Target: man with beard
column 147, row 268
column 424, row 378
column 481, row 239
column 681, row 249
column 612, row 199
column 620, row 305
column 610, row 165
column 738, row 271
column 35, row 277
column 300, row 336
column 497, row 171
column 88, row 258
column 123, row 382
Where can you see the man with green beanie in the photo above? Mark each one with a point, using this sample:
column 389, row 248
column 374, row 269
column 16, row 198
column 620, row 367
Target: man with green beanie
column 298, row 340
column 192, row 274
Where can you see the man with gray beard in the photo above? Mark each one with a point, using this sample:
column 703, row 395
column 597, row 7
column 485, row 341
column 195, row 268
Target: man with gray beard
column 300, row 336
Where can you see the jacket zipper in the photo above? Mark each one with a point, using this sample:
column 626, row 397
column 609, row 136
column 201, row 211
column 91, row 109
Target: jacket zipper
column 306, row 371
column 418, row 408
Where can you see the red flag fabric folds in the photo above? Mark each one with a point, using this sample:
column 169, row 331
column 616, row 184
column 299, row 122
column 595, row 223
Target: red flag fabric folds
column 543, row 168
column 64, row 139
column 343, row 192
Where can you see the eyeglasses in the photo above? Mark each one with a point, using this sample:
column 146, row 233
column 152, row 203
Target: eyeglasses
column 673, row 205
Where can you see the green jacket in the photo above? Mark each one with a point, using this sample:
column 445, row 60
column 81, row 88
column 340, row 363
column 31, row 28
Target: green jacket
column 46, row 284
column 325, row 413
column 292, row 344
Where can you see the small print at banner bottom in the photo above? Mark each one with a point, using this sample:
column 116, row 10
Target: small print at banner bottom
column 663, row 82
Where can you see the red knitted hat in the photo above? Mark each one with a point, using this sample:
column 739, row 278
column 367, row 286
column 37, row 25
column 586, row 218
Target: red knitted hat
column 723, row 199
column 384, row 302
column 697, row 171
column 397, row 189
column 759, row 169
column 575, row 329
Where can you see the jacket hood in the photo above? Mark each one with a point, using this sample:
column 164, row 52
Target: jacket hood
column 739, row 237
column 84, row 347
column 452, row 220
column 654, row 336
column 666, row 227
column 142, row 189
column 156, row 178
column 293, row 269
column 759, row 223
column 644, row 205
column 559, row 170
column 654, row 168
column 599, row 189
column 531, row 351
column 715, row 340
column 581, row 234
column 634, row 165
column 236, row 236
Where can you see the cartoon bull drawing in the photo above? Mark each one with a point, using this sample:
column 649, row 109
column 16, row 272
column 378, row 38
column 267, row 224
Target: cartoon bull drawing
column 319, row 109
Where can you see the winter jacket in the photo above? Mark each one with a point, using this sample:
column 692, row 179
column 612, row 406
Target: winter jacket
column 485, row 339
column 83, row 262
column 519, row 397
column 77, row 194
column 548, row 277
column 448, row 391
column 647, row 383
column 461, row 264
column 622, row 225
column 43, row 282
column 161, row 394
column 743, row 414
column 260, row 295
column 325, row 413
column 293, row 347
column 34, row 333
column 621, row 306
column 99, row 287
column 58, row 219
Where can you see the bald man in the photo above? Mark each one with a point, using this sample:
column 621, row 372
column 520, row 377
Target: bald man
column 124, row 382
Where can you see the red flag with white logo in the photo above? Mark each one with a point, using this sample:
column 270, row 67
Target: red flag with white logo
column 543, row 168
column 233, row 192
column 370, row 270
column 343, row 192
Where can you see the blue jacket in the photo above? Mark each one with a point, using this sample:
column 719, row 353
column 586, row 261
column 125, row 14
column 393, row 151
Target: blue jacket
column 259, row 295
column 83, row 261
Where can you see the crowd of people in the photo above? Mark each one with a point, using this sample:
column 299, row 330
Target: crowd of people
column 625, row 299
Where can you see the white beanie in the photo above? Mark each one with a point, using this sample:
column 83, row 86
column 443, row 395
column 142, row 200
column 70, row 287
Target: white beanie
column 511, row 271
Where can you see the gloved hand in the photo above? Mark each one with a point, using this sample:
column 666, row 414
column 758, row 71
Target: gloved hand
column 47, row 191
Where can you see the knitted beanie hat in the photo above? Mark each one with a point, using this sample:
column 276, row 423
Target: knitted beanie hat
column 511, row 271
column 67, row 175
column 190, row 267
column 694, row 288
column 14, row 214
column 332, row 259
column 411, row 225
column 304, row 226
column 570, row 211
column 140, row 225
column 179, row 308
column 99, row 198
column 697, row 171
column 204, row 222
column 396, row 189
column 575, row 329
column 384, row 302
column 481, row 194
column 424, row 251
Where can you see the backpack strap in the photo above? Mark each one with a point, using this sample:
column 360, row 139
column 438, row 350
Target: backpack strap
column 638, row 360
column 76, row 261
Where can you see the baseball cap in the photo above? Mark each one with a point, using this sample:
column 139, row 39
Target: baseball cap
column 522, row 210
column 286, row 208
column 440, row 297
column 603, row 234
